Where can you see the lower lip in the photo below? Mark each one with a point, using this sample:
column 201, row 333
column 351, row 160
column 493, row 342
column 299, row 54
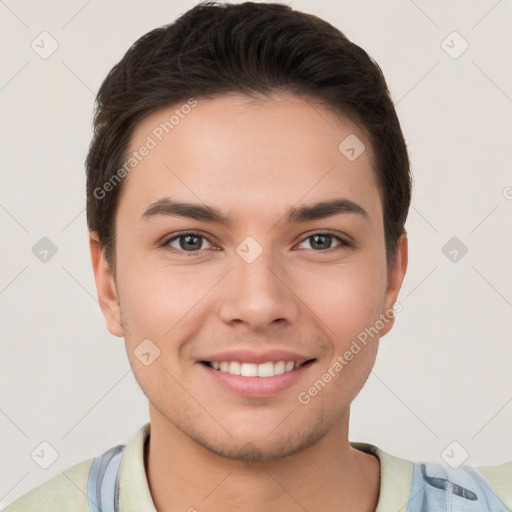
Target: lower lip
column 257, row 387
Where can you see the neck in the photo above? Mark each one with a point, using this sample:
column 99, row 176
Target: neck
column 327, row 476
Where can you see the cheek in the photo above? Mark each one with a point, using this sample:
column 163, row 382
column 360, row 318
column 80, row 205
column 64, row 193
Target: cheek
column 349, row 306
column 158, row 306
column 347, row 299
column 161, row 302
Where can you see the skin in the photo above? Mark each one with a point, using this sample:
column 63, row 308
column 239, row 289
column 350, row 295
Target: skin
column 209, row 448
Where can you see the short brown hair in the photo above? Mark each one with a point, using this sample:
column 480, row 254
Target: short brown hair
column 248, row 48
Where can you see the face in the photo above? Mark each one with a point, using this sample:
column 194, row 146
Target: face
column 279, row 279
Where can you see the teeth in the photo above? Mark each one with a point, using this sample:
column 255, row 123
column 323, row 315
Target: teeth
column 279, row 367
column 268, row 369
column 248, row 369
column 234, row 367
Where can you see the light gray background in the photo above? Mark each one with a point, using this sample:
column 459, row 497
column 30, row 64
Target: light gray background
column 443, row 373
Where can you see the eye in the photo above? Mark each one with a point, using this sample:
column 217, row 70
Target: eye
column 194, row 242
column 322, row 241
column 188, row 242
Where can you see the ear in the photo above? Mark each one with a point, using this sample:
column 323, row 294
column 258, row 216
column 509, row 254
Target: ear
column 105, row 286
column 396, row 274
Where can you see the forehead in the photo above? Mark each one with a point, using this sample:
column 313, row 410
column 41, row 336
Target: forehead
column 250, row 153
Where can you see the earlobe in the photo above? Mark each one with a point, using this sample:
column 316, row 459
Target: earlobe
column 396, row 275
column 105, row 287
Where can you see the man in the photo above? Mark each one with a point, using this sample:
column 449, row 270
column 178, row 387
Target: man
column 247, row 189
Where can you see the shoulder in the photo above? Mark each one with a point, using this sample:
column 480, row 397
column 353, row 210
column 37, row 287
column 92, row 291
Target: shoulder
column 500, row 478
column 418, row 484
column 68, row 491
column 65, row 492
column 465, row 487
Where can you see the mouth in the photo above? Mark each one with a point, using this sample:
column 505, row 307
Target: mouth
column 265, row 370
column 251, row 380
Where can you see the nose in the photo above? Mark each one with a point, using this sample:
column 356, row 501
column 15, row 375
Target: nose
column 258, row 294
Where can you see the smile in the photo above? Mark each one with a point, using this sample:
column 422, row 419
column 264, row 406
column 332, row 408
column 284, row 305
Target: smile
column 268, row 369
column 252, row 380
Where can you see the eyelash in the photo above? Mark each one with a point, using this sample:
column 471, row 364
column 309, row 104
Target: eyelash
column 343, row 242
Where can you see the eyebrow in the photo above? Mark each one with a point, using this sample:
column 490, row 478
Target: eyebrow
column 168, row 207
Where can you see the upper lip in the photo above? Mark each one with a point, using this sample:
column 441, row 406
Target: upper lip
column 257, row 357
